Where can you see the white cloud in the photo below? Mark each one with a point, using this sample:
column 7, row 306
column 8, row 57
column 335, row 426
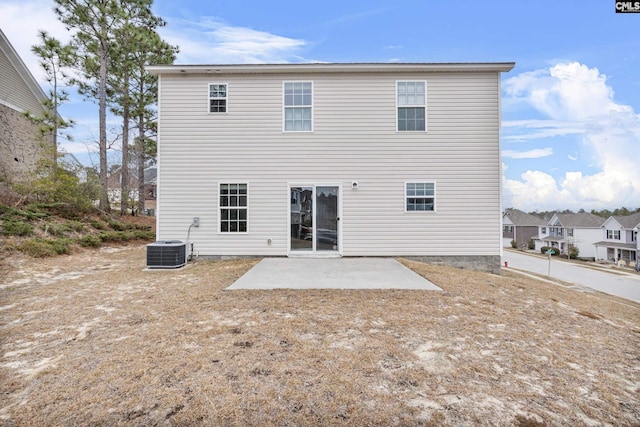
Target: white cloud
column 531, row 154
column 210, row 41
column 21, row 20
column 577, row 100
column 566, row 91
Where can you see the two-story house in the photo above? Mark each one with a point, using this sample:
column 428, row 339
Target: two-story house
column 619, row 239
column 20, row 144
column 332, row 160
column 519, row 227
column 581, row 230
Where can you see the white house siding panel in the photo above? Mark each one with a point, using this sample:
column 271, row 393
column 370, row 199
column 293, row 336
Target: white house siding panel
column 14, row 92
column 354, row 139
column 584, row 239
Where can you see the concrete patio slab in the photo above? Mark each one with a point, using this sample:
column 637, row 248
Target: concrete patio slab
column 331, row 273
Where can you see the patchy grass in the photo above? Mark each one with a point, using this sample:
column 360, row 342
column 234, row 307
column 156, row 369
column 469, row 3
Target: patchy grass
column 45, row 230
column 92, row 339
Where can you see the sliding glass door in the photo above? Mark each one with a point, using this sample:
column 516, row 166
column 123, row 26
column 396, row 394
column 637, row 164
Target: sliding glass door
column 314, row 219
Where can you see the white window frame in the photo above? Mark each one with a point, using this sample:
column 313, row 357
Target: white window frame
column 613, row 233
column 225, row 98
column 220, row 207
column 420, row 181
column 398, row 106
column 310, row 107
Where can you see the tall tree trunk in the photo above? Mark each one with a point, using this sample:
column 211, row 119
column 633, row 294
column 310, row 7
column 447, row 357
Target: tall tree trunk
column 140, row 160
column 124, row 186
column 55, row 124
column 102, row 107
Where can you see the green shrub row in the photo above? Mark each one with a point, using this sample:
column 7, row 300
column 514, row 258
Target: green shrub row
column 121, row 226
column 41, row 248
column 16, row 228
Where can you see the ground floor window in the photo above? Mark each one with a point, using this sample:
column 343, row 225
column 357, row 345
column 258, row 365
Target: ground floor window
column 233, row 208
column 420, row 196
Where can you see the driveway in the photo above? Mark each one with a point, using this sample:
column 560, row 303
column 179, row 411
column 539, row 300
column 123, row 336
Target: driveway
column 625, row 285
column 331, row 273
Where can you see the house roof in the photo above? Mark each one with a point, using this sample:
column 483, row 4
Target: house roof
column 220, row 69
column 629, row 221
column 616, row 245
column 150, row 175
column 16, row 62
column 579, row 220
column 519, row 218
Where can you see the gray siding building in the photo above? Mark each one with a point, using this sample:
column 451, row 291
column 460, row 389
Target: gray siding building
column 323, row 160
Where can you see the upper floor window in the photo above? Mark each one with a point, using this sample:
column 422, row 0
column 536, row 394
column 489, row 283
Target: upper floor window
column 569, row 232
column 556, row 232
column 420, row 196
column 411, row 100
column 507, row 228
column 233, row 208
column 298, row 106
column 218, row 98
column 613, row 234
column 543, row 230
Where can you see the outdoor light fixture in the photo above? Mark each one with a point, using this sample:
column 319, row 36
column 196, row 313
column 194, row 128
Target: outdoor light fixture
column 354, row 185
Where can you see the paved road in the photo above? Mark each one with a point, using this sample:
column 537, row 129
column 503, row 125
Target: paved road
column 625, row 285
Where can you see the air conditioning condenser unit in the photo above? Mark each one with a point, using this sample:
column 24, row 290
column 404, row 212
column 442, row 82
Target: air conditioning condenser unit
column 166, row 254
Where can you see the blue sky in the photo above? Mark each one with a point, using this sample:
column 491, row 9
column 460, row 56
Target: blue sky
column 570, row 107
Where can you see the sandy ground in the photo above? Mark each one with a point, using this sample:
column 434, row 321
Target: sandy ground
column 93, row 339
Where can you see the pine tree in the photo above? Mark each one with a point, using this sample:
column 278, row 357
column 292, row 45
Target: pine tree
column 93, row 23
column 54, row 57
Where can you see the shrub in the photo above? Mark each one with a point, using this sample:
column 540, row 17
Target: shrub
column 37, row 248
column 544, row 250
column 89, row 241
column 60, row 246
column 114, row 236
column 117, row 226
column 514, row 244
column 41, row 248
column 97, row 224
column 574, row 252
column 144, row 234
column 16, row 228
column 75, row 226
column 531, row 244
column 54, row 229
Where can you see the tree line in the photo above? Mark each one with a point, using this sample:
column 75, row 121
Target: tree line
column 112, row 42
column 604, row 213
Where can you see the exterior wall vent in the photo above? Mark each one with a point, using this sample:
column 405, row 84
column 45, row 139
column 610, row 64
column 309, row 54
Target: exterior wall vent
column 166, row 254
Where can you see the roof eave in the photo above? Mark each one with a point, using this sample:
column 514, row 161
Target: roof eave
column 23, row 71
column 222, row 69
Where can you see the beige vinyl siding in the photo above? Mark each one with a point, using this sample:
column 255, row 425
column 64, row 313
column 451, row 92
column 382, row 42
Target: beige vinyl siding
column 354, row 139
column 14, row 92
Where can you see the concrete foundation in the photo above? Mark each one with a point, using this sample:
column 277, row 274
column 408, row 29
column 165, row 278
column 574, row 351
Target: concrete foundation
column 486, row 263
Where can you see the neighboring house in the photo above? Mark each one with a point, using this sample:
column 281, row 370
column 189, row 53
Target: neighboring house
column 20, row 145
column 114, row 184
column 332, row 160
column 619, row 239
column 581, row 230
column 520, row 227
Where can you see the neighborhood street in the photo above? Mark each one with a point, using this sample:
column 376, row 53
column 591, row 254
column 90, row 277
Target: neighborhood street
column 622, row 284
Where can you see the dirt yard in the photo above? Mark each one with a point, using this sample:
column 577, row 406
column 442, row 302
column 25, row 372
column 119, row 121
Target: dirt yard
column 92, row 339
